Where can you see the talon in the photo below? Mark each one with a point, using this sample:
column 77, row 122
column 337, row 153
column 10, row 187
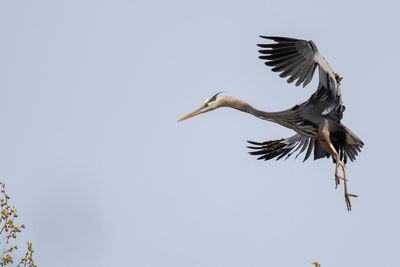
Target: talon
column 340, row 177
column 337, row 181
column 347, row 199
column 348, row 203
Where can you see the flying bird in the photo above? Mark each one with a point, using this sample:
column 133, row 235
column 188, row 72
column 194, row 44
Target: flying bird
column 317, row 121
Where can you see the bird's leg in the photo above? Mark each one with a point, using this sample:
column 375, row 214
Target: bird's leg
column 346, row 194
column 337, row 177
column 334, row 154
column 328, row 146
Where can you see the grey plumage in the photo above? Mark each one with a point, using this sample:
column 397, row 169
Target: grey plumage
column 317, row 121
column 298, row 59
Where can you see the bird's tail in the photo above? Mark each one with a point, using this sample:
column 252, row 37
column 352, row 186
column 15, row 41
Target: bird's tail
column 349, row 144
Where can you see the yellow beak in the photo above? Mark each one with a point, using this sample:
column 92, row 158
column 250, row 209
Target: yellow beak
column 194, row 113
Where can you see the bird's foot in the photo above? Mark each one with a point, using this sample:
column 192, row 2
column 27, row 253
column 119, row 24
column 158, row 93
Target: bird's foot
column 347, row 199
column 337, row 180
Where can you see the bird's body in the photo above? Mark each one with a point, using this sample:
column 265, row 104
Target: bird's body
column 317, row 121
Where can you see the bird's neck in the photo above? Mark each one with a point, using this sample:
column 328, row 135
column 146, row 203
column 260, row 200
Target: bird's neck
column 228, row 101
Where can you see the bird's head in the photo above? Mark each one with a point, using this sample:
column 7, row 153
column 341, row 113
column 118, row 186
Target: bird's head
column 211, row 103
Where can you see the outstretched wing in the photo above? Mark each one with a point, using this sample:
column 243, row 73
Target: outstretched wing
column 298, row 59
column 286, row 147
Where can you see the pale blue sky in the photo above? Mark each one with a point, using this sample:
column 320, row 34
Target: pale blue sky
column 103, row 175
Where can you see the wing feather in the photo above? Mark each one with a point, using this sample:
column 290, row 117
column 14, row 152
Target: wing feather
column 287, row 64
column 310, row 148
column 286, row 147
column 296, row 72
column 306, row 141
column 298, row 59
column 309, row 75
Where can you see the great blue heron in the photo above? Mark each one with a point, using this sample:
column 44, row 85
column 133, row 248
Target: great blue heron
column 316, row 121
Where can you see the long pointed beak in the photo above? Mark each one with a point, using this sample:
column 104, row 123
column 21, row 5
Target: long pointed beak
column 194, row 113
